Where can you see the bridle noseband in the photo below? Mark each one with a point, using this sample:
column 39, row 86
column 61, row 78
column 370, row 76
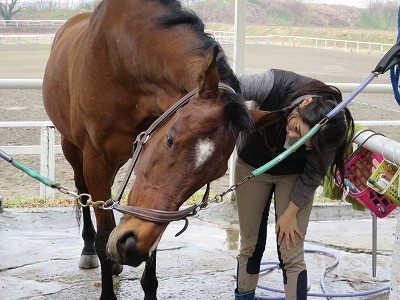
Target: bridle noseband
column 149, row 214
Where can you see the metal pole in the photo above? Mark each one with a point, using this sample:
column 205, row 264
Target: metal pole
column 21, row 83
column 378, row 88
column 374, row 243
column 240, row 37
column 238, row 65
column 388, row 148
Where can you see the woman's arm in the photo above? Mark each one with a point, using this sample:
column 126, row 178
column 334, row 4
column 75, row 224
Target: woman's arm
column 303, row 192
column 309, row 181
column 257, row 86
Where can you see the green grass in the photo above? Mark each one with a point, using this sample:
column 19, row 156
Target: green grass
column 35, row 202
column 63, row 201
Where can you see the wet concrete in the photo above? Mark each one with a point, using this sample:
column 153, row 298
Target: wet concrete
column 40, row 248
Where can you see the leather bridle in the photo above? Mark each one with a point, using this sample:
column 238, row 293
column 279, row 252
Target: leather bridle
column 149, row 214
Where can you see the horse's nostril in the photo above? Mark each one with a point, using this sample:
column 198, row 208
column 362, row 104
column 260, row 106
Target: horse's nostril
column 127, row 245
column 130, row 246
column 128, row 253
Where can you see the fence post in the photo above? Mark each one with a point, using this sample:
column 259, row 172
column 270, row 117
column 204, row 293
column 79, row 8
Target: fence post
column 47, row 159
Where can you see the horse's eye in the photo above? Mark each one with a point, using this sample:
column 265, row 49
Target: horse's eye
column 169, row 141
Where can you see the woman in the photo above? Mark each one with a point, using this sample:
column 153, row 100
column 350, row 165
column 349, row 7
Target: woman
column 297, row 103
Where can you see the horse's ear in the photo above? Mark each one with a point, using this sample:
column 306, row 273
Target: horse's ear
column 262, row 118
column 208, row 78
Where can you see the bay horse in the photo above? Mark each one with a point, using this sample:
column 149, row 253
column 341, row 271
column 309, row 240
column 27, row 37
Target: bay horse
column 111, row 74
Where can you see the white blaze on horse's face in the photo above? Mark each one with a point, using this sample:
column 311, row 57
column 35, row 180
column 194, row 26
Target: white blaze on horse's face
column 204, row 149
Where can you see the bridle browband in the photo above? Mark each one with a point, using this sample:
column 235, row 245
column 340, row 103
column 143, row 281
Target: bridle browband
column 149, row 214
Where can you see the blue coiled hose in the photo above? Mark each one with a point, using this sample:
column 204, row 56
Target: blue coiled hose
column 325, row 293
column 395, row 70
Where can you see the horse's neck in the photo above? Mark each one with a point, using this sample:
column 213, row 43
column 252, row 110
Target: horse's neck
column 147, row 52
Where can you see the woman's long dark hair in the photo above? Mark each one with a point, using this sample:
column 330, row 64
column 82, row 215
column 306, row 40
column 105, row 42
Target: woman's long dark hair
column 333, row 138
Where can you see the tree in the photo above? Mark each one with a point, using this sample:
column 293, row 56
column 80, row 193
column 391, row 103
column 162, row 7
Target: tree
column 7, row 10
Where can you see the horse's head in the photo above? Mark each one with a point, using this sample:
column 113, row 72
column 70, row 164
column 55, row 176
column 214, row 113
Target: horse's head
column 190, row 150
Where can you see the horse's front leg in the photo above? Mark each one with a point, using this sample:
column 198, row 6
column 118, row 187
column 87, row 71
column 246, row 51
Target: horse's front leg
column 73, row 154
column 98, row 177
column 149, row 280
column 89, row 259
column 104, row 218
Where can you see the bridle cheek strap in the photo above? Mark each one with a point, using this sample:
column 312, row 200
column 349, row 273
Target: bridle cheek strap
column 162, row 216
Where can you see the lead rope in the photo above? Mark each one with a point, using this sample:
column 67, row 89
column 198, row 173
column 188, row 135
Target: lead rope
column 220, row 197
column 48, row 182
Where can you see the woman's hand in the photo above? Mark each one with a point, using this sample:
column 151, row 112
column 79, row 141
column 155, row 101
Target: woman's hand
column 286, row 226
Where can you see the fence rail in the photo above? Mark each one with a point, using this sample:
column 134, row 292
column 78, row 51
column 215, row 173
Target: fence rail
column 227, row 37
column 47, row 148
column 377, row 88
column 223, row 37
column 26, row 39
column 31, row 23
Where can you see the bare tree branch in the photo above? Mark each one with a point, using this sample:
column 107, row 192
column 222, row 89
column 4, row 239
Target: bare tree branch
column 7, row 10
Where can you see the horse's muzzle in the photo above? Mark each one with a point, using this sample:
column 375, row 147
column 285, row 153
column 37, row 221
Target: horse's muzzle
column 124, row 251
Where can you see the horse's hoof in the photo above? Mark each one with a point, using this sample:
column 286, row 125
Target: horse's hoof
column 88, row 262
column 116, row 268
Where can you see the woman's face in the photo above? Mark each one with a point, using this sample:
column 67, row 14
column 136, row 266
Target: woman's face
column 296, row 128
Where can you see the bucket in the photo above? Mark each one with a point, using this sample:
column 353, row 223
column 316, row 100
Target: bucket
column 358, row 169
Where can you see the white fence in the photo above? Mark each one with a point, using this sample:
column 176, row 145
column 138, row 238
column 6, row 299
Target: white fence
column 223, row 37
column 376, row 88
column 227, row 37
column 47, row 148
column 26, row 39
column 31, row 23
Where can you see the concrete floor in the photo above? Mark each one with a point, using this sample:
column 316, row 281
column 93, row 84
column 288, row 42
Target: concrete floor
column 40, row 250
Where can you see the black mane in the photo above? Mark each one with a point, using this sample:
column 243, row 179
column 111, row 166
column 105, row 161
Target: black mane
column 178, row 15
column 234, row 107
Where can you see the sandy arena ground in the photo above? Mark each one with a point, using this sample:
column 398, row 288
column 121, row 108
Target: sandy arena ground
column 28, row 61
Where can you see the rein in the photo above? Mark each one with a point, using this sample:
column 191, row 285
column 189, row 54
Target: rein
column 154, row 215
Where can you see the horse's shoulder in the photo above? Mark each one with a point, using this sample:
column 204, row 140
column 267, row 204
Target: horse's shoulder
column 79, row 18
column 73, row 27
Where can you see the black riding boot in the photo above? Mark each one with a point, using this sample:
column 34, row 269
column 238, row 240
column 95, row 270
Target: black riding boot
column 247, row 296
